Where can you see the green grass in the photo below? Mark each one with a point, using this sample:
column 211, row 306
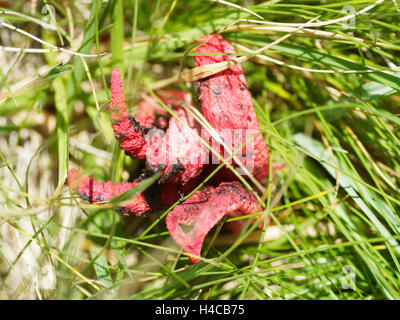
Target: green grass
column 328, row 106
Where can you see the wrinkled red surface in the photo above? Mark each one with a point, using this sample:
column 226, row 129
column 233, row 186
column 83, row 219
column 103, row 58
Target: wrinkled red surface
column 204, row 209
column 171, row 146
column 226, row 104
column 178, row 153
column 95, row 191
column 129, row 133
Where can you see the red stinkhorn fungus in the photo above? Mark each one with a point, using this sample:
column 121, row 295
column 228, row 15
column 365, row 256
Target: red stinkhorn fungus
column 169, row 144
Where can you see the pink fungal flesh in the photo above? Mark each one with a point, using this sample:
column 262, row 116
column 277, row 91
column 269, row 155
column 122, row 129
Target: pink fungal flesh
column 227, row 105
column 204, row 209
column 95, row 191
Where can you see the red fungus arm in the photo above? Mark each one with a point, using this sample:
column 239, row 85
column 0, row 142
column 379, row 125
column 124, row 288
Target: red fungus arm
column 127, row 130
column 226, row 104
column 204, row 209
column 95, row 191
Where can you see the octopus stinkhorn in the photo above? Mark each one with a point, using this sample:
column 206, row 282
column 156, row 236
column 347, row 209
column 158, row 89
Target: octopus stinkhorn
column 171, row 145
